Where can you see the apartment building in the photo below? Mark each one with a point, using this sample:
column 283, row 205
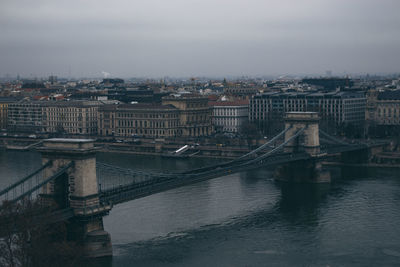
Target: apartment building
column 25, row 116
column 336, row 108
column 194, row 114
column 383, row 113
column 388, row 108
column 229, row 116
column 70, row 117
column 145, row 120
column 64, row 117
column 4, row 103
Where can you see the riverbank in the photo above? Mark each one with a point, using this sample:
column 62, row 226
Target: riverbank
column 146, row 147
column 206, row 148
column 196, row 152
column 365, row 165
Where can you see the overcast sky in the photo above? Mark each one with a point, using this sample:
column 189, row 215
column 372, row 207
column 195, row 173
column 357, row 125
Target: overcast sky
column 155, row 38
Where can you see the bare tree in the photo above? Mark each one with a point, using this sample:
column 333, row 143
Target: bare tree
column 28, row 237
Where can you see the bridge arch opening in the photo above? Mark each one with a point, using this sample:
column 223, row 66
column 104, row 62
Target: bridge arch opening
column 61, row 191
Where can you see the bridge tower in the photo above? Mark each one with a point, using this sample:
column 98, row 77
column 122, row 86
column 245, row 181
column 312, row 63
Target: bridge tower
column 77, row 189
column 309, row 139
column 310, row 170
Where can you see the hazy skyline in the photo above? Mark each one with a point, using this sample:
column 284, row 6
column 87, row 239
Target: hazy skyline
column 198, row 38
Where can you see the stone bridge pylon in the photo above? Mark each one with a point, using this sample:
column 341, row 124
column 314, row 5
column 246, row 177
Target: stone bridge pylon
column 308, row 141
column 77, row 190
column 310, row 170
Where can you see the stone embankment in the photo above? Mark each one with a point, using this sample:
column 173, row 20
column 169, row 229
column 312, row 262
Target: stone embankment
column 144, row 147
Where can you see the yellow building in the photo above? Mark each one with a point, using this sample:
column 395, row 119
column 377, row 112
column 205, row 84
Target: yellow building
column 3, row 113
column 194, row 114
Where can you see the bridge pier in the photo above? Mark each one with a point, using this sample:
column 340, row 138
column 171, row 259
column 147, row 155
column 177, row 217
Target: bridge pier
column 308, row 171
column 303, row 171
column 77, row 189
column 357, row 156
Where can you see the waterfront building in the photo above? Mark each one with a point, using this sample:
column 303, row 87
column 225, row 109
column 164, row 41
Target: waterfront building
column 383, row 112
column 25, row 116
column 388, row 108
column 194, row 114
column 335, row 108
column 4, row 102
column 229, row 116
column 142, row 120
column 70, row 117
column 62, row 117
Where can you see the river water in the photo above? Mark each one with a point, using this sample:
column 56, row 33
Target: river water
column 248, row 219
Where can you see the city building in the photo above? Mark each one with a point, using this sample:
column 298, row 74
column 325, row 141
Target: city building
column 383, row 112
column 194, row 114
column 330, row 84
column 70, row 117
column 25, row 116
column 230, row 116
column 388, row 108
column 4, row 102
column 141, row 120
column 242, row 91
column 62, row 117
column 336, row 109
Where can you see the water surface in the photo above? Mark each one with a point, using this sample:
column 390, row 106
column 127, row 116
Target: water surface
column 247, row 219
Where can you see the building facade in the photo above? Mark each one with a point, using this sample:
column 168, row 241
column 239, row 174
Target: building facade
column 70, row 117
column 245, row 92
column 230, row 116
column 383, row 112
column 194, row 114
column 25, row 116
column 63, row 117
column 334, row 108
column 388, row 108
column 142, row 120
column 4, row 102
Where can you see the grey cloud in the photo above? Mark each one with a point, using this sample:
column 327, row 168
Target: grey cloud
column 177, row 37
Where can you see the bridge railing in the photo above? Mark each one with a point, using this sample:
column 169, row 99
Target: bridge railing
column 112, row 177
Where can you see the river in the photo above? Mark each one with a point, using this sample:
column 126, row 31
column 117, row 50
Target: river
column 248, row 219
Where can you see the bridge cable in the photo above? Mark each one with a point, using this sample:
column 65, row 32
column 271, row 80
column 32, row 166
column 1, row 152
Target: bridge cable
column 269, row 153
column 264, row 145
column 336, row 140
column 203, row 169
column 235, row 161
column 54, row 176
column 126, row 170
column 12, row 186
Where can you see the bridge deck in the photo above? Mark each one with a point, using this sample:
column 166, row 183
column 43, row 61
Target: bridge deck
column 139, row 190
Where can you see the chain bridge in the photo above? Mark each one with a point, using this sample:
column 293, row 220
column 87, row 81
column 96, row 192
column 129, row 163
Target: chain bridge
column 85, row 190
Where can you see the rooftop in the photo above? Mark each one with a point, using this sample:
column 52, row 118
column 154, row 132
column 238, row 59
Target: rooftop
column 389, row 95
column 68, row 140
column 229, row 103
